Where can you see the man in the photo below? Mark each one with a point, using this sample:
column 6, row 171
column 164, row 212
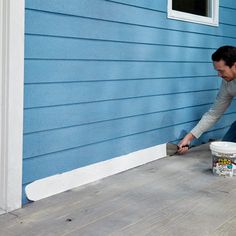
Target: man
column 224, row 61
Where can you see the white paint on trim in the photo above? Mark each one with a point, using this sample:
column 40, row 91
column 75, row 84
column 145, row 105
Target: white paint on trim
column 11, row 110
column 49, row 186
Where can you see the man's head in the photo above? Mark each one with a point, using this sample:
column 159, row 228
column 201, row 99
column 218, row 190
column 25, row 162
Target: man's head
column 224, row 60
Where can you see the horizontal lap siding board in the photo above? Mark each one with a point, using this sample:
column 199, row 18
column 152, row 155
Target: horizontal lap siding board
column 72, row 93
column 228, row 4
column 106, row 78
column 44, row 71
column 77, row 49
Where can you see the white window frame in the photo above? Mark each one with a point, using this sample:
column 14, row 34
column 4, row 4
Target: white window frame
column 179, row 15
column 11, row 102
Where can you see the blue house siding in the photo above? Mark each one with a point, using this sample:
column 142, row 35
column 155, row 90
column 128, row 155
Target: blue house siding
column 106, row 78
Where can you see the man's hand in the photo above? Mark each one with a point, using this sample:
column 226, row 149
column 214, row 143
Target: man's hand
column 185, row 142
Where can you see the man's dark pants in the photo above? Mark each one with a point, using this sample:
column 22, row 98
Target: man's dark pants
column 230, row 136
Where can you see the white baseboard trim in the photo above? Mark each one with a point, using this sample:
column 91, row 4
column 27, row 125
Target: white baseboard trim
column 52, row 185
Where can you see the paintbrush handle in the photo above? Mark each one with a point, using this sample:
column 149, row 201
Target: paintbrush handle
column 184, row 146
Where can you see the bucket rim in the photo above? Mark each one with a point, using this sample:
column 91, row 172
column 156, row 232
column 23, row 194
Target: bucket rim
column 223, row 147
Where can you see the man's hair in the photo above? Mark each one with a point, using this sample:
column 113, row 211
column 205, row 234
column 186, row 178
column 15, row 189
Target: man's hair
column 225, row 53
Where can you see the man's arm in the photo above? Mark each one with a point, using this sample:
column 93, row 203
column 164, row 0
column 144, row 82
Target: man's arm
column 221, row 103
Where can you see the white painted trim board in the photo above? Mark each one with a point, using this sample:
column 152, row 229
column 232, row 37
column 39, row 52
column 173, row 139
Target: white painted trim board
column 52, row 185
column 11, row 110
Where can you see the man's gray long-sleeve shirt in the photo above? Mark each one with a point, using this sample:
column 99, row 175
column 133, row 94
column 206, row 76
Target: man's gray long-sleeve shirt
column 224, row 97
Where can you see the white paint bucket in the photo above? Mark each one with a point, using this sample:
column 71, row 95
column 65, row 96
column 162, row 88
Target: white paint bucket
column 223, row 158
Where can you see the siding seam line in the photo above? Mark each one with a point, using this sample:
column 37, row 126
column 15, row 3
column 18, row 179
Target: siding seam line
column 121, row 80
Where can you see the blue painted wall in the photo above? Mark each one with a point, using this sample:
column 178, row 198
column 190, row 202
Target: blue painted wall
column 106, row 78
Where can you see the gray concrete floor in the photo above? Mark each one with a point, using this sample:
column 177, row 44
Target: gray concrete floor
column 1, row 211
column 175, row 195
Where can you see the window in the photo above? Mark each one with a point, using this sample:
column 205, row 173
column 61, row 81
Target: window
column 197, row 11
